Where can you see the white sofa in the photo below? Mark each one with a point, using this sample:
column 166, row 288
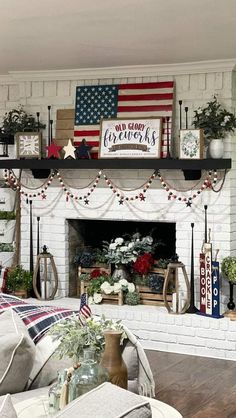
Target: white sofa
column 29, row 369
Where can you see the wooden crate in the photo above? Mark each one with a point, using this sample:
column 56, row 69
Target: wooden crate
column 148, row 297
column 115, row 299
column 88, row 270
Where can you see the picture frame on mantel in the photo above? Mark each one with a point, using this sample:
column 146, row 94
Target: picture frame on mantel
column 28, row 144
column 130, row 138
column 191, row 144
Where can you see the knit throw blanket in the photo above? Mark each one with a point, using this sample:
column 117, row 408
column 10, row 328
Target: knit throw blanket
column 38, row 319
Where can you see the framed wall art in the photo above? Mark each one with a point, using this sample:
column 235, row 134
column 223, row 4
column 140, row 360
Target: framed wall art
column 28, row 144
column 130, row 138
column 191, row 144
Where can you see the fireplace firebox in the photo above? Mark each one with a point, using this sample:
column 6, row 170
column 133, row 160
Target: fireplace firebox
column 91, row 233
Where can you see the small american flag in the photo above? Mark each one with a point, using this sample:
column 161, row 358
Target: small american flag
column 141, row 100
column 84, row 311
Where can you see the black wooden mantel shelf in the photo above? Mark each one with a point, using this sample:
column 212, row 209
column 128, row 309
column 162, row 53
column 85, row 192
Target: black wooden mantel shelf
column 118, row 164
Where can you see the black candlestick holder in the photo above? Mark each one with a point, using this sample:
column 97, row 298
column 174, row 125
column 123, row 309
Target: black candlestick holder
column 231, row 313
column 231, row 304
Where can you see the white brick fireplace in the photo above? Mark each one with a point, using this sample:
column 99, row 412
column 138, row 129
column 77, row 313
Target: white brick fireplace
column 195, row 84
column 55, row 211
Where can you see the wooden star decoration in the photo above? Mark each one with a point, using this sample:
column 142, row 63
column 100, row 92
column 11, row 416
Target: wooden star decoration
column 86, row 201
column 189, row 204
column 69, row 150
column 53, row 150
column 121, row 201
column 83, row 151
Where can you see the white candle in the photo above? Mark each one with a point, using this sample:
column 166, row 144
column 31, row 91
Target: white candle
column 174, row 302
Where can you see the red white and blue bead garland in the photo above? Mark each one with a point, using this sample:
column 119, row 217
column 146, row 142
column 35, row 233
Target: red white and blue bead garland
column 12, row 181
column 208, row 183
column 76, row 197
column 119, row 192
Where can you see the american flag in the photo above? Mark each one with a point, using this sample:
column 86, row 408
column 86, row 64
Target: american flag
column 94, row 103
column 84, row 311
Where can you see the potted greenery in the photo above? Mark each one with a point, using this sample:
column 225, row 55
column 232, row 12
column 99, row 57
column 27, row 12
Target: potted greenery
column 18, row 120
column 216, row 123
column 19, row 281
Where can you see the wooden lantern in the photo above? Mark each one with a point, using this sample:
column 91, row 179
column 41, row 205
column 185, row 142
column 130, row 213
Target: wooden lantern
column 49, row 285
column 173, row 269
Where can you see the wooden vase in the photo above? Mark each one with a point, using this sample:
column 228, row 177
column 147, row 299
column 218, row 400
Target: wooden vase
column 112, row 359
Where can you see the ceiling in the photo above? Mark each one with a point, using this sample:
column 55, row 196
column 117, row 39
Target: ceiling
column 74, row 34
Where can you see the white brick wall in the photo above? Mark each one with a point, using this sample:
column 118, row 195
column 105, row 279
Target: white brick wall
column 194, row 89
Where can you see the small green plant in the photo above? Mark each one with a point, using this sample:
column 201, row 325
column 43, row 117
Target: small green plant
column 132, row 298
column 19, row 279
column 18, row 120
column 228, row 268
column 7, row 215
column 7, row 248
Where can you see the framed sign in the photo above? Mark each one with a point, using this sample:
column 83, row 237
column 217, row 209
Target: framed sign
column 28, row 144
column 130, row 138
column 191, row 144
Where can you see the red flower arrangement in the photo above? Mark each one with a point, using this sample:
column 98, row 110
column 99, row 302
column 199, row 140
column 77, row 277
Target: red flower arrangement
column 97, row 273
column 144, row 263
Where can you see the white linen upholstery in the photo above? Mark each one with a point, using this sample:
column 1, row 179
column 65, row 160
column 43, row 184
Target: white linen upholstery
column 7, row 410
column 17, row 353
column 107, row 401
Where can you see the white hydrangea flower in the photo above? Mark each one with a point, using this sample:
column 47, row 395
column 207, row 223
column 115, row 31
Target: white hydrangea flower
column 131, row 287
column 123, row 249
column 112, row 246
column 123, row 282
column 227, row 118
column 107, row 288
column 117, row 287
column 104, row 286
column 119, row 241
column 130, row 245
column 97, row 297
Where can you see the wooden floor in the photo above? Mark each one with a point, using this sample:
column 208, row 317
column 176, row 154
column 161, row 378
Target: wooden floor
column 198, row 387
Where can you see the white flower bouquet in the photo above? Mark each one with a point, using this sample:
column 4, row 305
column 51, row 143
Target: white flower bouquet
column 125, row 251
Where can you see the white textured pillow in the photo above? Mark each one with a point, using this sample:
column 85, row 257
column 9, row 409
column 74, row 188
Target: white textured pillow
column 107, row 401
column 6, row 408
column 17, row 353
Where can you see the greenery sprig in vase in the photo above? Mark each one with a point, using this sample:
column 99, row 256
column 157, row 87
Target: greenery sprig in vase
column 18, row 120
column 214, row 119
column 74, row 337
